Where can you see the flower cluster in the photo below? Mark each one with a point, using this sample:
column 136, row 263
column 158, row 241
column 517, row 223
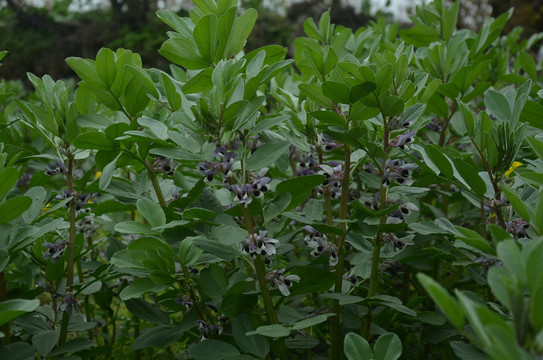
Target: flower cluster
column 334, row 176
column 81, row 200
column 397, row 216
column 434, row 125
column 327, row 143
column 259, row 244
column 25, row 179
column 399, row 123
column 69, row 303
column 391, row 266
column 307, row 164
column 398, row 171
column 54, row 251
column 403, row 141
column 319, row 244
column 164, row 165
column 280, row 281
column 517, row 228
column 55, row 167
column 87, row 227
column 184, row 300
column 257, row 187
column 208, row 329
column 395, row 243
column 225, row 161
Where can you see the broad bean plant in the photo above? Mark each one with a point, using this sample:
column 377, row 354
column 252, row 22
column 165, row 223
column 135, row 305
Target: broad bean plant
column 377, row 196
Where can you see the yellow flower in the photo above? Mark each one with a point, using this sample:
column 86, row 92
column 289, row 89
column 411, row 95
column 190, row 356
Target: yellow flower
column 515, row 165
column 97, row 175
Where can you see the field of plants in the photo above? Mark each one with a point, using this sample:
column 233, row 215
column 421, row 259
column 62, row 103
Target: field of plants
column 378, row 196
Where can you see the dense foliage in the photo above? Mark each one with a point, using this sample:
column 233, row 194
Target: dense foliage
column 244, row 206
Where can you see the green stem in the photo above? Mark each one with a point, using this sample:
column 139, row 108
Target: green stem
column 376, row 258
column 337, row 340
column 260, row 270
column 441, row 141
column 70, row 248
column 4, row 297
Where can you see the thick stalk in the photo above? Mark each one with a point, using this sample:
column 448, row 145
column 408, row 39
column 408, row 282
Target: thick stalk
column 70, row 248
column 4, row 297
column 376, row 258
column 443, row 133
column 337, row 340
column 260, row 270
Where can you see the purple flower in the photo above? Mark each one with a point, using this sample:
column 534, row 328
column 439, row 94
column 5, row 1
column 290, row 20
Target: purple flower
column 54, row 251
column 319, row 244
column 55, row 167
column 403, row 141
column 280, row 281
column 257, row 244
column 69, row 303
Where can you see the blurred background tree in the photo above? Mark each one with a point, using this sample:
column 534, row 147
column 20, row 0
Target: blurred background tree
column 40, row 34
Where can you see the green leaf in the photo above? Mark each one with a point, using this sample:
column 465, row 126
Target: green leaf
column 388, row 347
column 241, row 31
column 139, row 287
column 12, row 309
column 338, row 92
column 199, row 83
column 299, row 188
column 467, row 351
column 312, row 280
column 135, row 97
column 440, row 160
column 518, row 204
column 188, row 252
column 183, row 52
column 158, row 336
column 45, row 341
column 472, row 238
column 73, row 346
column 392, row 106
column 470, row 175
column 274, row 331
column 314, row 92
column 133, row 227
column 536, row 145
column 310, row 321
column 86, row 70
column 13, row 208
column 105, row 66
column 361, row 90
column 528, row 64
column 147, row 311
column 254, row 344
column 107, row 174
column 214, row 281
column 446, row 303
column 497, row 104
column 151, row 211
column 420, row 35
column 531, row 113
column 93, row 140
column 536, row 221
column 356, row 347
column 8, row 178
column 216, row 248
column 213, row 350
column 449, row 20
column 277, row 206
column 267, row 155
column 205, row 36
